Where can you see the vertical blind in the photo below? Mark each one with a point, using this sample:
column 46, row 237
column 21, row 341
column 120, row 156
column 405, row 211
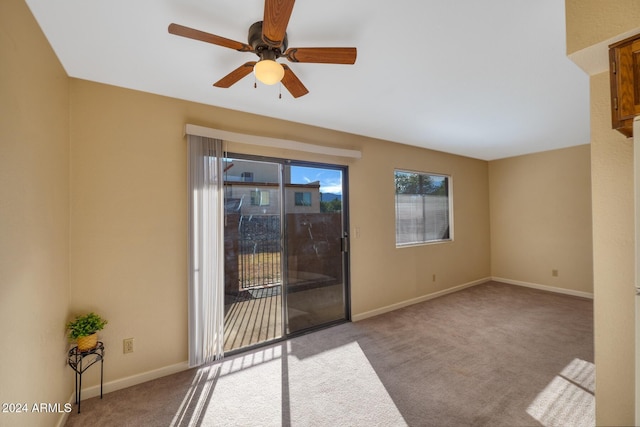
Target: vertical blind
column 206, row 250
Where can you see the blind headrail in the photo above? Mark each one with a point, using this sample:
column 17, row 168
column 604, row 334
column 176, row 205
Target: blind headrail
column 270, row 142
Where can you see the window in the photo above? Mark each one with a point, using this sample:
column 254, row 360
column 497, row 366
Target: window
column 423, row 208
column 302, row 198
column 259, row 198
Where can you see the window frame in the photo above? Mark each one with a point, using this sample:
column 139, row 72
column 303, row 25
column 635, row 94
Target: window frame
column 302, row 200
column 449, row 195
column 260, row 197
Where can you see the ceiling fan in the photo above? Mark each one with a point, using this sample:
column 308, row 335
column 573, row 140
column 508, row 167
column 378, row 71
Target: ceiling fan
column 268, row 40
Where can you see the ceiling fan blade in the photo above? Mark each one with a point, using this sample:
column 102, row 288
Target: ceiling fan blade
column 324, row 55
column 276, row 19
column 293, row 83
column 234, row 76
column 190, row 33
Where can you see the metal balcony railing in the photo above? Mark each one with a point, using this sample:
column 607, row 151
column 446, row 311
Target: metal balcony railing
column 259, row 262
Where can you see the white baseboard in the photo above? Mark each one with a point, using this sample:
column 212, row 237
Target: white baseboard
column 63, row 417
column 388, row 308
column 121, row 383
column 132, row 380
column 544, row 287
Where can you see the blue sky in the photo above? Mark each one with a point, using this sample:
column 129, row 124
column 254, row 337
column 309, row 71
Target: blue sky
column 330, row 179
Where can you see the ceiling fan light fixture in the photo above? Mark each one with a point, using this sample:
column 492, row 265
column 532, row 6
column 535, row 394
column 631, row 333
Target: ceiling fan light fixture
column 268, row 71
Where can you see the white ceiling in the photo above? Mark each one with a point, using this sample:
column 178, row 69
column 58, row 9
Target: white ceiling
column 486, row 79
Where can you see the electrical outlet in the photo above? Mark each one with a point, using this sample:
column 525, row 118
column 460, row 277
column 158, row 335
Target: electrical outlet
column 554, row 273
column 127, row 345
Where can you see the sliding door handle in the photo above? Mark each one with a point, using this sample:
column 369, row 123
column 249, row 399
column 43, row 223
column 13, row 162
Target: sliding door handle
column 344, row 243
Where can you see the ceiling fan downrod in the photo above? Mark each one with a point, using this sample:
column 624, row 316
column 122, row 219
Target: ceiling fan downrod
column 261, row 47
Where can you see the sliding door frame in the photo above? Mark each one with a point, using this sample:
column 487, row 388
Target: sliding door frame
column 346, row 298
column 283, row 164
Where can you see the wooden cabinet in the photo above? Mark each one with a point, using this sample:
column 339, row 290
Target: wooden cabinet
column 624, row 63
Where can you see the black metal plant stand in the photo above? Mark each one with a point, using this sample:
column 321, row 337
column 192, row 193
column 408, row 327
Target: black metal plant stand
column 80, row 361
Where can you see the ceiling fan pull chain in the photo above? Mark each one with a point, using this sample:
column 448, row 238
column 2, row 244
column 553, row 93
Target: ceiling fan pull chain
column 280, row 89
column 255, row 82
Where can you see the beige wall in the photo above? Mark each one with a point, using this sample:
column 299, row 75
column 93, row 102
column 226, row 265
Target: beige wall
column 34, row 218
column 541, row 219
column 590, row 22
column 613, row 262
column 128, row 217
column 128, row 224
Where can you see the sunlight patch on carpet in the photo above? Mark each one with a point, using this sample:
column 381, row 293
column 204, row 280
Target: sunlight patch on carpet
column 339, row 387
column 194, row 403
column 568, row 400
column 334, row 387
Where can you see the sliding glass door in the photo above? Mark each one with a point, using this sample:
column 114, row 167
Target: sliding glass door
column 285, row 249
column 253, row 252
column 316, row 246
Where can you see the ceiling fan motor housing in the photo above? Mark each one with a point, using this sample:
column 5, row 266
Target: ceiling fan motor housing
column 262, row 49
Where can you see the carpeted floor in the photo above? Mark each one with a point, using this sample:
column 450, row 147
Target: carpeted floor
column 490, row 355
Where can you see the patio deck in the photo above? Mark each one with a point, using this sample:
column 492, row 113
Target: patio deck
column 253, row 317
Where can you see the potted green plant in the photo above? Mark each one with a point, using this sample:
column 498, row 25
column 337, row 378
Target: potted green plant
column 83, row 329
